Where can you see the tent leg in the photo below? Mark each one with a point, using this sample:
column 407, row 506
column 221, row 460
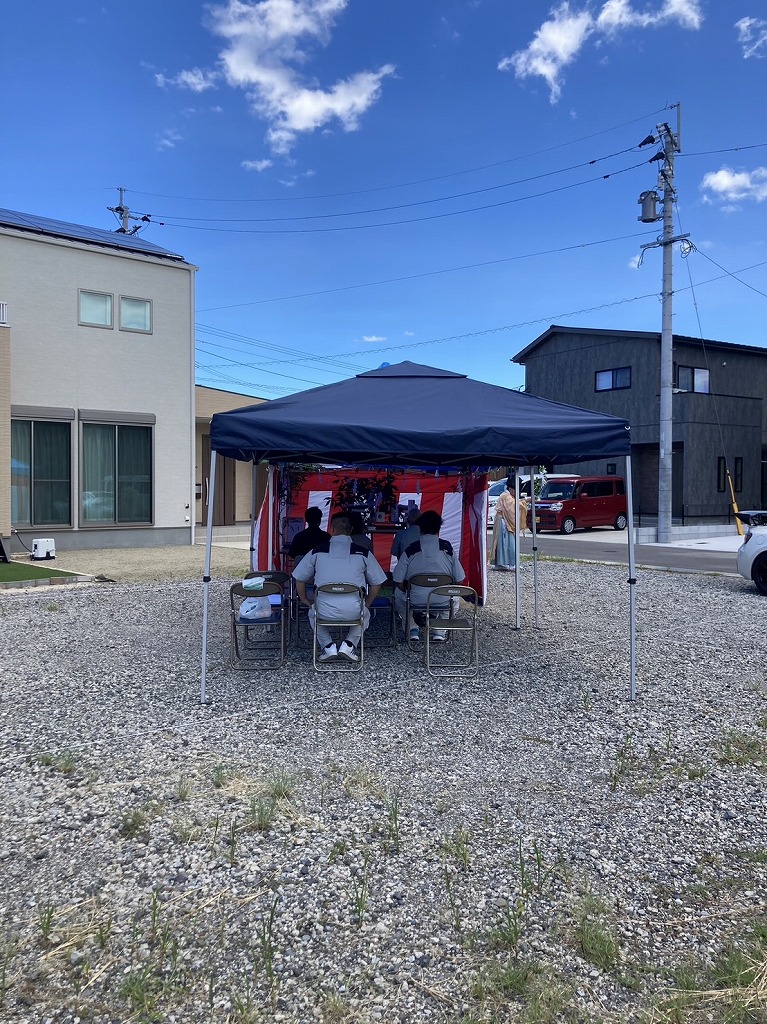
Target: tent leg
column 631, row 581
column 517, row 561
column 534, row 534
column 253, row 556
column 206, row 576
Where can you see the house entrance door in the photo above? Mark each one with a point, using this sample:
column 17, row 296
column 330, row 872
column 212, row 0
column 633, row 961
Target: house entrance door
column 224, row 499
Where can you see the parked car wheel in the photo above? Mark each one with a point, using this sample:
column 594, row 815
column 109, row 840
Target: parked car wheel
column 759, row 574
column 621, row 522
column 568, row 525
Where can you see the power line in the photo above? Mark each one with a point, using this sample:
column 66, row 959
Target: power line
column 408, row 184
column 426, row 273
column 412, row 220
column 401, row 206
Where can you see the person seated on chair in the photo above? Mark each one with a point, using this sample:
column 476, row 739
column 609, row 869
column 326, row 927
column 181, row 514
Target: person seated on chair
column 429, row 554
column 304, row 541
column 405, row 537
column 339, row 560
column 359, row 534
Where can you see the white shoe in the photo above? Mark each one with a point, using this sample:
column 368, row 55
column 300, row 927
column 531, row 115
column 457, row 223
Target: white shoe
column 415, row 633
column 349, row 651
column 328, row 653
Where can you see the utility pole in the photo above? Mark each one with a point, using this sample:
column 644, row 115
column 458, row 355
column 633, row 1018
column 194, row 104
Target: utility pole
column 122, row 212
column 671, row 144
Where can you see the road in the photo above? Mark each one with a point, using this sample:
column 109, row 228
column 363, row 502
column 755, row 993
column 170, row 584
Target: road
column 611, row 546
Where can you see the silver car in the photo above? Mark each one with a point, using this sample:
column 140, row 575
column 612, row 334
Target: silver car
column 752, row 554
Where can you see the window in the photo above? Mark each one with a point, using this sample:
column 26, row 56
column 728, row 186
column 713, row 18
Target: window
column 117, row 474
column 721, row 474
column 693, row 378
column 41, row 473
column 613, row 380
column 135, row 314
column 95, row 309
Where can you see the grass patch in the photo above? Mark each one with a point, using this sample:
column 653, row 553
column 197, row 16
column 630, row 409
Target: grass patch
column 738, row 748
column 18, row 572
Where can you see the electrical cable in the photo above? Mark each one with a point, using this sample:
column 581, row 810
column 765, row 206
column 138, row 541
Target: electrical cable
column 408, row 184
column 426, row 273
column 396, row 223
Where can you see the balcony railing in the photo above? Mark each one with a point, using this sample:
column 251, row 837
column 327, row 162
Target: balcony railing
column 3, row 314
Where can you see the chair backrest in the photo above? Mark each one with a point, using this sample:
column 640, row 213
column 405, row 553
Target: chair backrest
column 431, row 579
column 340, row 588
column 238, row 592
column 456, row 590
column 273, row 575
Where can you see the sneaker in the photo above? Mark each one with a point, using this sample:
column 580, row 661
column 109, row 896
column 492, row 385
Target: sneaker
column 348, row 651
column 415, row 633
column 437, row 638
column 329, row 652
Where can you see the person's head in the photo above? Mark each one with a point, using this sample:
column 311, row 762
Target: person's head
column 313, row 516
column 413, row 514
column 510, row 483
column 340, row 525
column 358, row 523
column 429, row 522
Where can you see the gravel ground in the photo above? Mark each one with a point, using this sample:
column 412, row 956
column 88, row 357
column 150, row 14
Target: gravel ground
column 525, row 846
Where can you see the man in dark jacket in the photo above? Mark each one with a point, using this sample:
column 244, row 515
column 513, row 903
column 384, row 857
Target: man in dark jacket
column 307, row 539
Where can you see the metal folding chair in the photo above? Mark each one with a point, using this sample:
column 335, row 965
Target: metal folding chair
column 462, row 628
column 425, row 580
column 258, row 643
column 288, row 585
column 337, row 589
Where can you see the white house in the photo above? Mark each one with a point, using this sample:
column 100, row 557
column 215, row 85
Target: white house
column 97, row 419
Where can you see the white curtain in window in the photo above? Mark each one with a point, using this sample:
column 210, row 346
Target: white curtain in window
column 96, row 308
column 135, row 314
column 98, row 499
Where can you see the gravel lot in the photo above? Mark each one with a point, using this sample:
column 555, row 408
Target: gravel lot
column 526, row 846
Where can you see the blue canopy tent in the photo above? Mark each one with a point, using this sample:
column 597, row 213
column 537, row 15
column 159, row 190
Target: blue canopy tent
column 408, row 414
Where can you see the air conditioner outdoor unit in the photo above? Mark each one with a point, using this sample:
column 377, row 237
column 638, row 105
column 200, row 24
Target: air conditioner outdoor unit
column 43, row 547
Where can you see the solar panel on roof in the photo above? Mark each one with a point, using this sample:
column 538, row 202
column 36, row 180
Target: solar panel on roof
column 82, row 233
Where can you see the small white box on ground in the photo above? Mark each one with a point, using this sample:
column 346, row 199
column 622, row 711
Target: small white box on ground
column 43, row 547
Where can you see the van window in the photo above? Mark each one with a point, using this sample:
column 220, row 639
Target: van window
column 604, row 489
column 557, row 490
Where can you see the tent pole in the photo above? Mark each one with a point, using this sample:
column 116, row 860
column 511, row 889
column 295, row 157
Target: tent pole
column 206, row 574
column 270, row 506
column 535, row 546
column 253, row 514
column 632, row 580
column 517, row 562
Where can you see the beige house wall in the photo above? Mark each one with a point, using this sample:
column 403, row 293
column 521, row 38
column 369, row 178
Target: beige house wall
column 56, row 362
column 5, row 430
column 209, row 401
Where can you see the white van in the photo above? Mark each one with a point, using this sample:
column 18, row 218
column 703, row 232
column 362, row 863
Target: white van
column 497, row 488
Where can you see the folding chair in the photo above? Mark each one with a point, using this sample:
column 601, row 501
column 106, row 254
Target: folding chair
column 426, row 580
column 263, row 642
column 288, row 584
column 341, row 664
column 464, row 625
column 382, row 631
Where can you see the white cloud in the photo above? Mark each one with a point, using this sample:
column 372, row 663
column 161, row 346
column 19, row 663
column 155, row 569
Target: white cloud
column 373, row 338
column 266, row 43
column 256, row 165
column 634, row 262
column 194, row 80
column 168, row 139
column 559, row 40
column 752, row 35
column 732, row 186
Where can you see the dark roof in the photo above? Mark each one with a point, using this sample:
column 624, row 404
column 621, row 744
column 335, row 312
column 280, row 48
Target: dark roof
column 640, row 336
column 80, row 233
column 413, row 415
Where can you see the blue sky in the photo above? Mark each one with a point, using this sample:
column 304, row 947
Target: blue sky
column 436, row 180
